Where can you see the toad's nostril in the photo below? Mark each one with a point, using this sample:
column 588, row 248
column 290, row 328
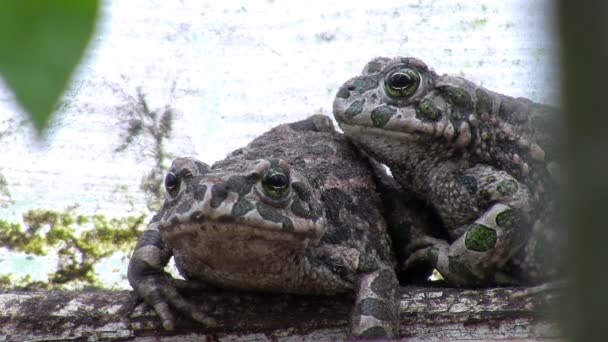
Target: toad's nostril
column 351, row 87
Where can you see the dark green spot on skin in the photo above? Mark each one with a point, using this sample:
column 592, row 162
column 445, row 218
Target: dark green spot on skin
column 428, row 111
column 385, row 284
column 240, row 184
column 241, row 207
column 505, row 219
column 507, row 187
column 484, row 102
column 354, row 109
column 218, row 194
column 199, row 192
column 468, row 182
column 363, row 84
column 458, row 97
column 375, row 308
column 375, row 333
column 367, row 263
column 271, row 214
column 480, row 238
column 381, row 115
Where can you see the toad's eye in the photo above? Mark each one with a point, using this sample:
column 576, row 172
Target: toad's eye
column 172, row 183
column 276, row 182
column 401, row 82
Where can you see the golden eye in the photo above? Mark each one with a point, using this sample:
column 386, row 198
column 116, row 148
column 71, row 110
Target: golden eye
column 276, row 182
column 401, row 82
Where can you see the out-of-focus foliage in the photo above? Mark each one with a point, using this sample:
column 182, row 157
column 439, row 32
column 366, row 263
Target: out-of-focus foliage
column 41, row 43
column 5, row 194
column 80, row 242
column 147, row 131
column 10, row 126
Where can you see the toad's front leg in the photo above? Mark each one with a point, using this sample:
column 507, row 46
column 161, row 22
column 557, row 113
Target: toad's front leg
column 376, row 311
column 499, row 208
column 147, row 276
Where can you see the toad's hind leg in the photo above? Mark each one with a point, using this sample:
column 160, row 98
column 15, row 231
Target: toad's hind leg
column 375, row 314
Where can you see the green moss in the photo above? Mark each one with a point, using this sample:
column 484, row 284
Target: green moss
column 46, row 231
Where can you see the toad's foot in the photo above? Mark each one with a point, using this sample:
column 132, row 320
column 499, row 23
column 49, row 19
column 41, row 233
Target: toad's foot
column 155, row 286
column 158, row 291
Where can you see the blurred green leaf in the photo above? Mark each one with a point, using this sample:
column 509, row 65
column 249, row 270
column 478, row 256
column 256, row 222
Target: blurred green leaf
column 41, row 43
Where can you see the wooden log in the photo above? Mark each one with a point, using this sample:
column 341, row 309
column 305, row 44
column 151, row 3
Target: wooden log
column 427, row 314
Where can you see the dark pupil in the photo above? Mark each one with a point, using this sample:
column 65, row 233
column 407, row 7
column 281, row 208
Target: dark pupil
column 400, row 80
column 276, row 181
column 171, row 180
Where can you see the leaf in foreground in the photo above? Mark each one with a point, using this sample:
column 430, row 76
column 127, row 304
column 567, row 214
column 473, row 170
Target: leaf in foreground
column 41, row 43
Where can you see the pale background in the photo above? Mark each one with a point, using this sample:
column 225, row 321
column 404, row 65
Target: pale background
column 240, row 68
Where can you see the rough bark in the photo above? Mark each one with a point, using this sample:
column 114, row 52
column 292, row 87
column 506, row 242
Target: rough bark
column 426, row 314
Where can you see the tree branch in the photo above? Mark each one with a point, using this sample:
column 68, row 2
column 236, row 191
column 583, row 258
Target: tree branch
column 426, row 314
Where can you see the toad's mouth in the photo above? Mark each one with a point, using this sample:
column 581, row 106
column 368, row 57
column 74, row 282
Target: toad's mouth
column 214, row 226
column 225, row 233
column 360, row 131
